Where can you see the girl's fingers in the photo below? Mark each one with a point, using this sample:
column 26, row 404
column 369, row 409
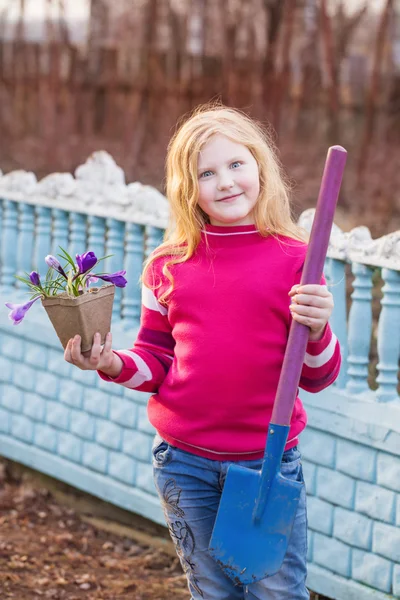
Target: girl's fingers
column 76, row 354
column 96, row 349
column 107, row 343
column 311, row 300
column 67, row 352
column 311, row 322
column 313, row 289
column 309, row 311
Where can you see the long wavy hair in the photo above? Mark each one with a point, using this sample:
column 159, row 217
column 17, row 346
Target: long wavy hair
column 272, row 212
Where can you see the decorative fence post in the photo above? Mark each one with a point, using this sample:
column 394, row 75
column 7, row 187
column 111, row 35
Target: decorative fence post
column 336, row 271
column 9, row 243
column 77, row 238
column 60, row 231
column 154, row 237
column 134, row 252
column 25, row 240
column 360, row 327
column 389, row 337
column 97, row 234
column 115, row 246
column 43, row 237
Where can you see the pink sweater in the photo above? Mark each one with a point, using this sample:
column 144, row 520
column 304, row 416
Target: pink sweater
column 212, row 359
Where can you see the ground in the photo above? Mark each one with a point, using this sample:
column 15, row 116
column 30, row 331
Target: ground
column 47, row 550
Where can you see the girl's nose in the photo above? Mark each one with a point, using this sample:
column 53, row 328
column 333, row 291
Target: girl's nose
column 225, row 183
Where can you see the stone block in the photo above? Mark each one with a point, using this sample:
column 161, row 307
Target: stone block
column 122, row 467
column 356, row 460
column 332, row 554
column 24, row 376
column 82, row 424
column 57, row 415
column 86, row 378
column 58, row 366
column 398, row 510
column 108, row 434
column 335, row 487
column 352, row 528
column 375, row 502
column 6, row 369
column 22, row 428
column 34, row 406
column 371, row 570
column 45, row 437
column 320, row 515
column 47, row 385
column 12, row 347
column 12, row 398
column 318, row 447
column 36, row 355
column 71, row 393
column 396, row 581
column 95, row 457
column 388, row 471
column 137, row 444
column 386, row 541
column 5, row 421
column 96, row 402
column 108, row 387
column 123, row 412
column 144, row 478
column 70, row 447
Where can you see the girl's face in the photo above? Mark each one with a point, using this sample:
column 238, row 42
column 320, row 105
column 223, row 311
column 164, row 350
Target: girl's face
column 229, row 183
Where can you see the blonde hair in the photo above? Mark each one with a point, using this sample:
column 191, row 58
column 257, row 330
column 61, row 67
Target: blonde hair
column 272, row 213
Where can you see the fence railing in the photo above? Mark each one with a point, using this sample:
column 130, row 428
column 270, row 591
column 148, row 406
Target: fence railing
column 104, row 216
column 368, row 322
column 96, row 210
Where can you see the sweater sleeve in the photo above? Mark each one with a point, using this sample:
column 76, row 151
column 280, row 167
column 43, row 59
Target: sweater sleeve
column 322, row 359
column 321, row 363
column 147, row 363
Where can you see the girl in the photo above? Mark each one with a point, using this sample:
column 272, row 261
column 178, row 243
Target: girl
column 218, row 298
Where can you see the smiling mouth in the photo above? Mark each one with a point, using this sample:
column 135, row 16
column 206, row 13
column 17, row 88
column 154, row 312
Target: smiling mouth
column 229, row 197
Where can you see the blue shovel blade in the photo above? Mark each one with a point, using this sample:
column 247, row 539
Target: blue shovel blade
column 249, row 550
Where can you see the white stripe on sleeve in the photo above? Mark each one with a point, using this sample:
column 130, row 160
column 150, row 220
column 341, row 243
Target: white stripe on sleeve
column 143, row 373
column 321, row 359
column 150, row 301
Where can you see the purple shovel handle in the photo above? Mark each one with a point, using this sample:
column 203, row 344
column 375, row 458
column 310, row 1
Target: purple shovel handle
column 312, row 273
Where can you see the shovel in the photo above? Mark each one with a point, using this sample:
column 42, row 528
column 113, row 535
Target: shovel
column 258, row 508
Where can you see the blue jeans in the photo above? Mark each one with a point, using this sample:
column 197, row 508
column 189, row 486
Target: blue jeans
column 190, row 489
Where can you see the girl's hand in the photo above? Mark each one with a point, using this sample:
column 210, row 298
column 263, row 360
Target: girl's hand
column 312, row 305
column 97, row 359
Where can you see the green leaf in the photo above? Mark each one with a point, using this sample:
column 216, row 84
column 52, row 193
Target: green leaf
column 67, row 257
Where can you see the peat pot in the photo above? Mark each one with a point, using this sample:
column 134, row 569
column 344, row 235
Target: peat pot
column 84, row 315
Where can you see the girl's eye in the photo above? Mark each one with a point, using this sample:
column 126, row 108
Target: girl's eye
column 205, row 174
column 236, row 164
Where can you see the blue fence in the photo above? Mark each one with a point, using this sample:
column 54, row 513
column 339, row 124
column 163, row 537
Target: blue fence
column 71, row 425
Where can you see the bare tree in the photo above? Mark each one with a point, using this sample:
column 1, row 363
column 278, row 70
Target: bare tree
column 275, row 11
column 20, row 26
column 373, row 92
column 282, row 83
column 98, row 24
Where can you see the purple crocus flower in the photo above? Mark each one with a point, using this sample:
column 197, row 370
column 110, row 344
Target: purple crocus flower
column 35, row 278
column 91, row 279
column 18, row 311
column 52, row 262
column 117, row 278
column 86, row 262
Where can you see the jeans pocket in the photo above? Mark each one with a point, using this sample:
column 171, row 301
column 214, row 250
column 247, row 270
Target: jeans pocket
column 291, row 465
column 162, row 452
